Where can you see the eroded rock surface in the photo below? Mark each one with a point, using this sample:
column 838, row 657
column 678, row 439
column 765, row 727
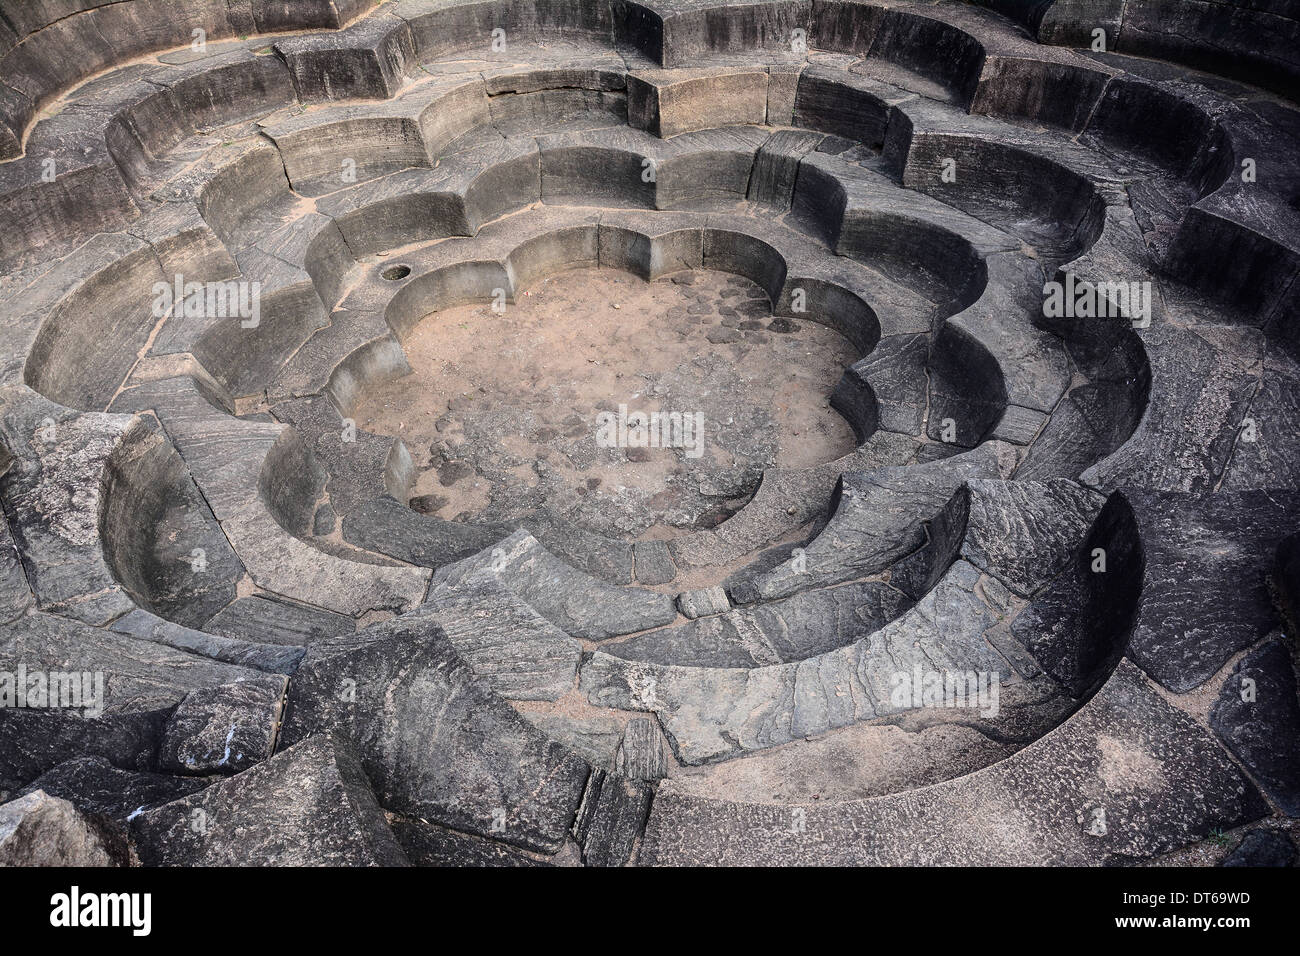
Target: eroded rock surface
column 349, row 514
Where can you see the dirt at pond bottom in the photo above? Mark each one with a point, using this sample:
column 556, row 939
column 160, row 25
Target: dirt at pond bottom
column 503, row 413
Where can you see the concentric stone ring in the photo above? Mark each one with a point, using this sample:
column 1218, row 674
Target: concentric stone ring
column 1038, row 609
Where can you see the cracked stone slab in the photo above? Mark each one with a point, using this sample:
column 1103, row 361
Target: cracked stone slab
column 125, row 687
column 1262, row 848
column 1091, row 422
column 511, row 648
column 703, row 601
column 284, row 564
column 224, row 729
column 716, row 713
column 640, row 754
column 1023, row 533
column 1205, row 590
column 265, row 620
column 668, row 102
column 272, row 658
column 612, row 819
column 95, row 786
column 428, row 845
column 1079, row 624
column 15, row 593
column 357, row 469
column 895, row 370
column 1257, row 715
column 1264, row 456
column 136, row 674
column 310, row 805
column 802, row 626
column 878, row 520
column 653, row 562
column 1103, row 166
column 53, row 495
column 776, row 166
column 161, row 539
column 386, row 526
column 226, row 455
column 1201, row 384
column 1035, row 367
column 1127, row 778
column 435, row 742
column 42, row 830
column 594, row 737
column 576, row 602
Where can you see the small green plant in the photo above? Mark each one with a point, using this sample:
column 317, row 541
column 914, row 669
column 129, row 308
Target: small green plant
column 1218, row 837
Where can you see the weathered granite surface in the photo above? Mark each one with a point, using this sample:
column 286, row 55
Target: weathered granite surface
column 1111, row 786
column 225, row 638
column 1257, row 715
column 1205, row 592
column 576, row 602
column 436, row 744
column 38, row 829
column 310, row 805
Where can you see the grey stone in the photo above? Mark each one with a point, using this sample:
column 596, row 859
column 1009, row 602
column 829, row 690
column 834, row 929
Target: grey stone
column 1262, row 848
column 612, row 819
column 511, row 648
column 386, row 526
column 1201, row 383
column 15, row 594
column 817, row 175
column 1257, row 715
column 715, row 713
column 669, row 102
column 1091, row 422
column 703, row 602
column 776, row 167
column 273, row 658
column 878, row 519
column 1205, row 588
column 1039, row 806
column 95, row 786
column 119, row 693
column 161, row 539
column 854, row 107
column 1079, row 624
column 788, row 630
column 325, row 521
column 429, row 845
column 436, row 744
column 574, row 601
column 358, row 470
column 895, row 372
column 265, row 620
column 41, row 830
column 310, row 805
column 1020, row 426
column 640, row 754
column 1269, row 461
column 224, row 729
column 52, row 496
column 1023, row 533
column 654, row 564
column 594, row 737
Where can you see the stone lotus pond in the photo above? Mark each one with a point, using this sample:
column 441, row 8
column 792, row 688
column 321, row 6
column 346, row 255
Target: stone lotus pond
column 365, row 583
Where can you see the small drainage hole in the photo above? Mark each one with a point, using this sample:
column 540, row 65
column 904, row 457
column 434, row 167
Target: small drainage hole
column 393, row 273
